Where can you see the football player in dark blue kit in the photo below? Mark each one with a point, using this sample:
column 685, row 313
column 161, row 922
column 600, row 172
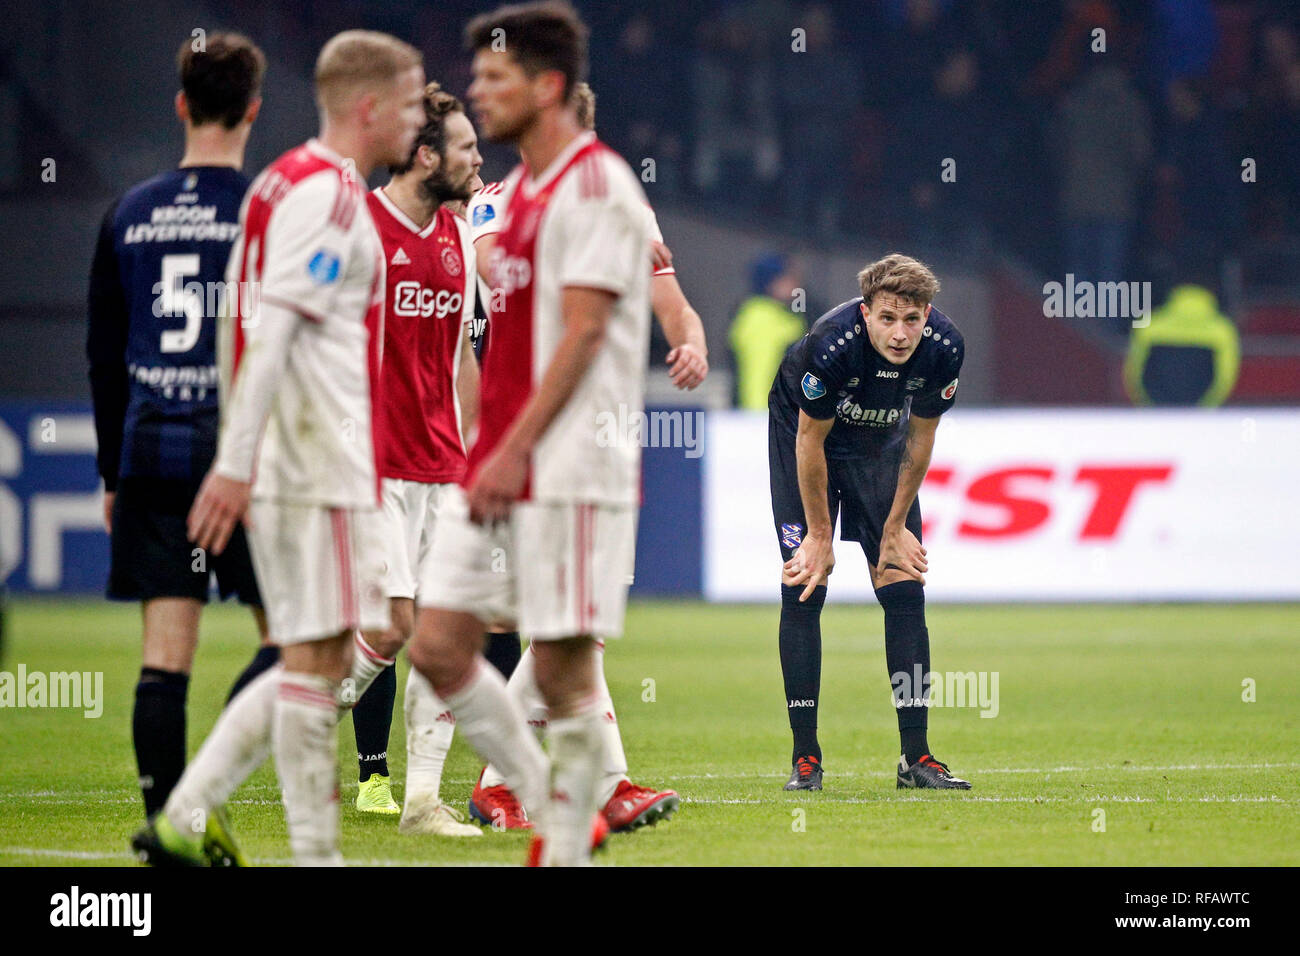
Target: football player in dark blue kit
column 156, row 284
column 852, row 419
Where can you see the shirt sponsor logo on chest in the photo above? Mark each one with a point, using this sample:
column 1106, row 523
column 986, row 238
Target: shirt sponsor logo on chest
column 851, row 411
column 412, row 300
column 510, row 273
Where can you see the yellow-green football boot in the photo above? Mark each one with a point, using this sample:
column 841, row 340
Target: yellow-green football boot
column 161, row 844
column 376, row 796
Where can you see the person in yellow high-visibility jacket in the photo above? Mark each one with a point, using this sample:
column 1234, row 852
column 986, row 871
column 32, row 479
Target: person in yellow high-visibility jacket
column 764, row 327
column 1189, row 353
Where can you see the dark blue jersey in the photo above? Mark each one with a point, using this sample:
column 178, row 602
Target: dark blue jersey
column 477, row 328
column 834, row 372
column 156, row 288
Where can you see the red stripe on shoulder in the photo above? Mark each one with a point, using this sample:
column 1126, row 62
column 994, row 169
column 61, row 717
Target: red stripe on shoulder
column 345, row 207
column 592, row 183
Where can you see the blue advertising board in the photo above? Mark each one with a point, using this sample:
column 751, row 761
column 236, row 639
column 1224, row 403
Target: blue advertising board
column 52, row 538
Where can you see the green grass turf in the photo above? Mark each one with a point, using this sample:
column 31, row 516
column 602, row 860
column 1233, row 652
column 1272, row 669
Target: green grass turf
column 1136, row 711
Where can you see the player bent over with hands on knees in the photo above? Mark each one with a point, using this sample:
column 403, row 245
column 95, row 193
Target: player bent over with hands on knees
column 296, row 454
column 852, row 419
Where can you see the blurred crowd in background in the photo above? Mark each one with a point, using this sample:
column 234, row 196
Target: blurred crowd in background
column 1125, row 160
column 1098, row 163
column 1147, row 140
column 1136, row 151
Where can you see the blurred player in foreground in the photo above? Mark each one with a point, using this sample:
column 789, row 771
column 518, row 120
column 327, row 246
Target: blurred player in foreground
column 544, row 531
column 160, row 261
column 426, row 405
column 305, row 367
column 626, row 806
column 852, row 419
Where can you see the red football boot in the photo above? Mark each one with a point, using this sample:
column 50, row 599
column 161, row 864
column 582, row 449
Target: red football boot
column 497, row 807
column 631, row 807
column 599, row 834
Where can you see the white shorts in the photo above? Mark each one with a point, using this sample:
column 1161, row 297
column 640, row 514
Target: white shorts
column 558, row 569
column 320, row 569
column 410, row 515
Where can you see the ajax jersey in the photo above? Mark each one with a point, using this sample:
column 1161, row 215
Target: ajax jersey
column 429, row 299
column 581, row 223
column 308, row 246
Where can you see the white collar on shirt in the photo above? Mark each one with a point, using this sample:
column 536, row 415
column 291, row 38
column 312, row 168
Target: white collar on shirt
column 403, row 218
column 531, row 186
column 325, row 153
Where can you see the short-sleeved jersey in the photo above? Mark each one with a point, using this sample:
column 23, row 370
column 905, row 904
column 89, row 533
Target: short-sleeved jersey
column 156, row 292
column 484, row 213
column 579, row 223
column 487, row 206
column 310, row 246
column 834, row 372
column 429, row 301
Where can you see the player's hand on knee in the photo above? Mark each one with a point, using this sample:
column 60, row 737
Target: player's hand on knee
column 810, row 565
column 899, row 548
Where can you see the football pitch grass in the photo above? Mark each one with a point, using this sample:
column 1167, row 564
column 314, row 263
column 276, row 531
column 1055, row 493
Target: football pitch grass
column 1134, row 711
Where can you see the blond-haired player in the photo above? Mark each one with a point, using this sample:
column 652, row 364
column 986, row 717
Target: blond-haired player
column 295, row 454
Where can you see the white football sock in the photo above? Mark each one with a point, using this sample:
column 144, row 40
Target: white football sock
column 429, row 729
column 613, row 759
column 576, row 749
column 239, row 743
column 523, row 689
column 366, row 666
column 305, row 742
column 493, row 724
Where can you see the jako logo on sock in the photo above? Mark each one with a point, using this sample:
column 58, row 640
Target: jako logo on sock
column 948, row 689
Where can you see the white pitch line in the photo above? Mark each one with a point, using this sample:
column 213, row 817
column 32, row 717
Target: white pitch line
column 66, row 854
column 131, row 796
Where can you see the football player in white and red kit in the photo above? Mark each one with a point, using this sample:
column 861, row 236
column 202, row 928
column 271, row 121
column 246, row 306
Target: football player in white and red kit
column 296, row 442
column 626, row 806
column 427, row 399
column 544, row 531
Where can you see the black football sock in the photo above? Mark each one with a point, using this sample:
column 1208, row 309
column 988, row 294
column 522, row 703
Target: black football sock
column 801, row 665
column 372, row 719
column 158, row 730
column 266, row 657
column 907, row 655
column 503, row 652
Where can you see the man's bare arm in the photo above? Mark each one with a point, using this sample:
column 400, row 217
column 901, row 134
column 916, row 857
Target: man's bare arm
column 898, row 547
column 467, row 384
column 483, row 247
column 586, row 316
column 688, row 355
column 815, row 558
column 501, row 479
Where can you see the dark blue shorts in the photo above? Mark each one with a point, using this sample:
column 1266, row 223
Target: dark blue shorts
column 860, row 491
column 152, row 557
